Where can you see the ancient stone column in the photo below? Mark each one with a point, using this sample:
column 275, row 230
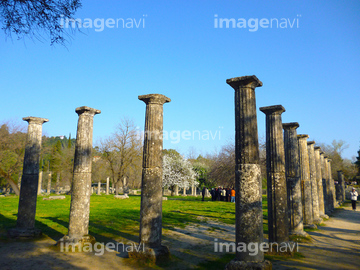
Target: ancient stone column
column 276, row 180
column 151, row 186
column 332, row 186
column 99, row 188
column 341, row 184
column 192, row 189
column 248, row 201
column 176, row 191
column 25, row 225
column 319, row 181
column 57, row 187
column 48, row 190
column 314, row 186
column 81, row 183
column 107, row 185
column 305, row 181
column 324, row 181
column 40, row 183
column 293, row 181
column 184, row 191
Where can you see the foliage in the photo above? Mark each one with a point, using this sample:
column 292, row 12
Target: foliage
column 177, row 171
column 30, row 18
column 12, row 149
column 334, row 152
column 122, row 152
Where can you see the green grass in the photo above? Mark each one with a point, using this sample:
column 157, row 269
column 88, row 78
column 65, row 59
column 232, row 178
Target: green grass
column 113, row 218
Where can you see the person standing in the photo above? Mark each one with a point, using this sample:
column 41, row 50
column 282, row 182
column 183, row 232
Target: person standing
column 203, row 193
column 232, row 195
column 353, row 195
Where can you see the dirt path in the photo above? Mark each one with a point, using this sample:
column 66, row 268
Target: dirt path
column 336, row 245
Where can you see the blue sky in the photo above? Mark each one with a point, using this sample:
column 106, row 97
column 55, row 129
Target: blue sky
column 309, row 68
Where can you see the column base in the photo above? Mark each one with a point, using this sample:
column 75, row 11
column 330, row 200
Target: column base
column 299, row 233
column 152, row 255
column 324, row 216
column 318, row 221
column 76, row 244
column 24, row 233
column 235, row 265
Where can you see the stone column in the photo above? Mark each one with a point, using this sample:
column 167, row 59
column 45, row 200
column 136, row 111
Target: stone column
column 314, row 186
column 25, row 225
column 276, row 180
column 341, row 184
column 151, row 186
column 40, row 183
column 248, row 201
column 305, row 181
column 99, row 188
column 324, row 181
column 293, row 181
column 48, row 190
column 184, row 191
column 81, row 183
column 192, row 190
column 57, row 187
column 319, row 181
column 332, row 186
column 107, row 185
column 19, row 182
column 176, row 190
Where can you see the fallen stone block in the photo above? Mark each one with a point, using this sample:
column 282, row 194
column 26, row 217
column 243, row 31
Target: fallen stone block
column 121, row 196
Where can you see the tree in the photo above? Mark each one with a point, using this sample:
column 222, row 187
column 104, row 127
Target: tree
column 357, row 162
column 334, row 152
column 31, row 17
column 12, row 150
column 177, row 171
column 122, row 151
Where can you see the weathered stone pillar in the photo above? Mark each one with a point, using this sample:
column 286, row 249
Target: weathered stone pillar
column 184, row 191
column 99, row 188
column 57, row 187
column 48, row 189
column 319, row 181
column 276, row 180
column 314, row 186
column 176, row 191
column 341, row 184
column 305, row 181
column 293, row 181
column 249, row 216
column 151, row 187
column 107, row 185
column 332, row 186
column 25, row 225
column 192, row 190
column 19, row 182
column 40, row 183
column 81, row 183
column 324, row 180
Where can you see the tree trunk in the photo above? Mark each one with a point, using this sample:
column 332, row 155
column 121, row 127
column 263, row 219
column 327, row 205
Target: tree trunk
column 13, row 185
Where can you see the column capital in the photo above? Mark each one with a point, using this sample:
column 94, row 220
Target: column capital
column 303, row 136
column 86, row 109
column 329, row 159
column 275, row 109
column 154, row 99
column 291, row 125
column 310, row 143
column 36, row 120
column 317, row 148
column 244, row 82
column 339, row 171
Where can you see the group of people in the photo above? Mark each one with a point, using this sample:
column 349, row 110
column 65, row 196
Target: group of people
column 220, row 194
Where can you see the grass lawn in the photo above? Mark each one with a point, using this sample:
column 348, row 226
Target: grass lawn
column 114, row 219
